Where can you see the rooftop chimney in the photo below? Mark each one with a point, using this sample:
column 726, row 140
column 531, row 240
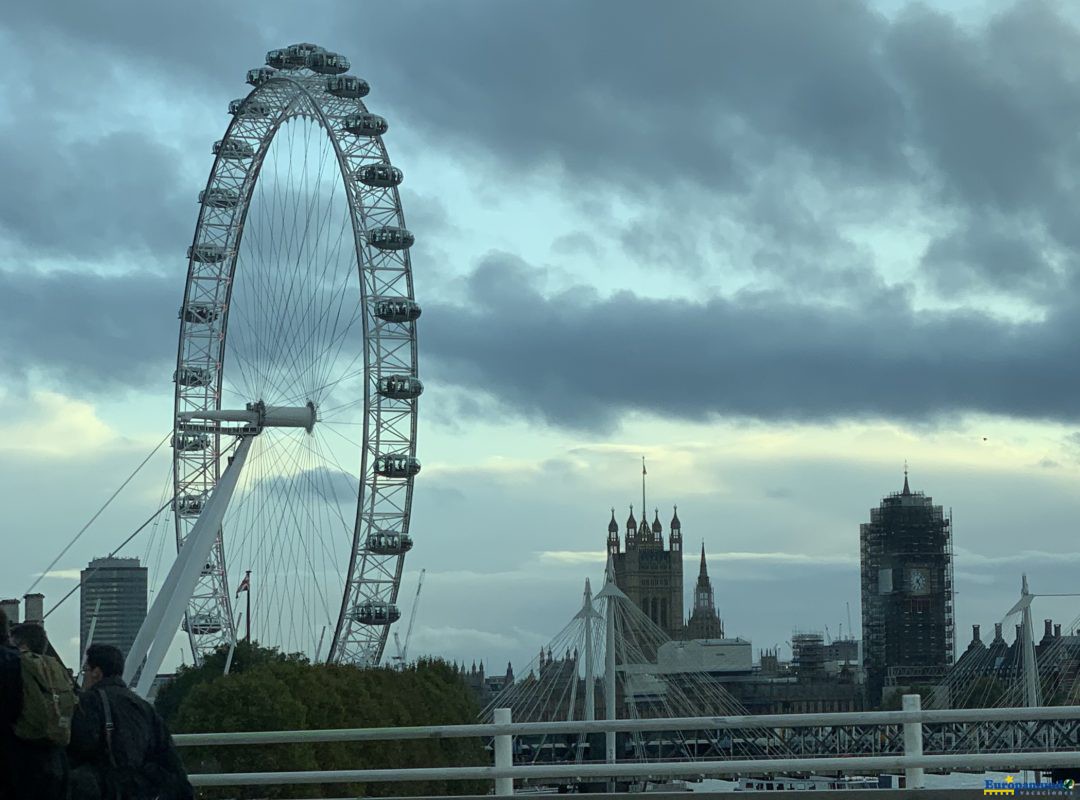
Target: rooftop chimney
column 997, row 630
column 34, row 606
column 11, row 609
column 974, row 633
column 1048, row 625
column 1057, row 631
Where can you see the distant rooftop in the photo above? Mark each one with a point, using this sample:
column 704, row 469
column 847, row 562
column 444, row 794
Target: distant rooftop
column 120, row 563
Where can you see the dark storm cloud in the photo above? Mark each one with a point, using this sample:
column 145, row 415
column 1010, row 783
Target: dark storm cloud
column 577, row 362
column 987, row 254
column 94, row 198
column 637, row 94
column 95, row 332
column 673, row 106
column 994, row 114
column 687, row 93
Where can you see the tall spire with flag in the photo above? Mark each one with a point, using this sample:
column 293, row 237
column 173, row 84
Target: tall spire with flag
column 245, row 587
column 643, row 474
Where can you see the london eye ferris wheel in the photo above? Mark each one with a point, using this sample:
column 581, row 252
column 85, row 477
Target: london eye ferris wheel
column 297, row 357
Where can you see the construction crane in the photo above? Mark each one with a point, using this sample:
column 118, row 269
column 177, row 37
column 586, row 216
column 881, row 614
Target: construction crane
column 403, row 649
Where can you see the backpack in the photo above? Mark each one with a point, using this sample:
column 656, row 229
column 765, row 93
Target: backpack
column 150, row 781
column 48, row 701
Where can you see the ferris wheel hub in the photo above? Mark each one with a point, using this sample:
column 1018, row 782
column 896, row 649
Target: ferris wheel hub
column 252, row 420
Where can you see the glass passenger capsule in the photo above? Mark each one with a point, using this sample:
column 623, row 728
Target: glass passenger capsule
column 400, row 387
column 219, row 197
column 390, row 237
column 394, row 465
column 190, row 442
column 233, row 149
column 199, row 313
column 294, row 56
column 375, row 612
column 243, row 107
column 347, row 86
column 189, row 505
column 260, row 75
column 207, row 253
column 397, row 309
column 193, row 376
column 326, row 63
column 365, row 124
column 389, row 543
column 201, row 624
column 380, row 175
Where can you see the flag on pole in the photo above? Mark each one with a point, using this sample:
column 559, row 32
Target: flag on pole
column 643, row 472
column 245, row 585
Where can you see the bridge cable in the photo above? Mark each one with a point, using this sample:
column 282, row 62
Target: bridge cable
column 135, row 533
column 97, row 514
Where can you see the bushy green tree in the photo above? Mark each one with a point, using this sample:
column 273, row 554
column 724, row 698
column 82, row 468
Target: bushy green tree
column 894, row 701
column 271, row 691
column 246, row 656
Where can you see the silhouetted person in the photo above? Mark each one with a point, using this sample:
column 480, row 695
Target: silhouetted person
column 138, row 758
column 39, row 766
column 10, row 707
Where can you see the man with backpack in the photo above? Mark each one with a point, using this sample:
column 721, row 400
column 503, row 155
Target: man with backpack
column 120, row 748
column 42, row 730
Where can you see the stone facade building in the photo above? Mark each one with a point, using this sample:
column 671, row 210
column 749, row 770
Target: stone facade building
column 649, row 573
column 907, row 593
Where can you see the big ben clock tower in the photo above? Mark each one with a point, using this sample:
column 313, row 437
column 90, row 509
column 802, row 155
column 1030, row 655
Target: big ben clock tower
column 907, row 593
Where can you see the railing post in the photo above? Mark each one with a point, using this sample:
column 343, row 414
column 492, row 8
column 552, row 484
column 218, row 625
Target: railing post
column 504, row 753
column 913, row 742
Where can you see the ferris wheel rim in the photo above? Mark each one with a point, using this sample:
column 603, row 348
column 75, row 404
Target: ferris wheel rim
column 298, row 93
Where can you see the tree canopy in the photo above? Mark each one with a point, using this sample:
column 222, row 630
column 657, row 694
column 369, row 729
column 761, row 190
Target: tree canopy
column 268, row 690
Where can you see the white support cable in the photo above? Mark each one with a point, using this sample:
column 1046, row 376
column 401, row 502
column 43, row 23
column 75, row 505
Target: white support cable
column 97, row 514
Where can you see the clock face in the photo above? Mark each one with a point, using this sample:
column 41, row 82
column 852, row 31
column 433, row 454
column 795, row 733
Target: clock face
column 918, row 581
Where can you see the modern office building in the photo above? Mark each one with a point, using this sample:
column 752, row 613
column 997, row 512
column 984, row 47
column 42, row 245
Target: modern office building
column 907, row 594
column 114, row 594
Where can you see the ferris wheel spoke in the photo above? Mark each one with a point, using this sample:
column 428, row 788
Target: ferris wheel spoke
column 329, row 455
column 327, row 413
column 318, row 487
column 320, row 391
column 343, row 437
column 255, row 388
column 325, row 256
column 316, row 330
column 340, row 294
column 301, row 352
column 336, row 344
column 299, row 264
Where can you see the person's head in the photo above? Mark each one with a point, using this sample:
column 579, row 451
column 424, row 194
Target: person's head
column 5, row 628
column 31, row 637
column 102, row 661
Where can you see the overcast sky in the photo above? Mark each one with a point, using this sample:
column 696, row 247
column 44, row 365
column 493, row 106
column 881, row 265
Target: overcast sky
column 779, row 248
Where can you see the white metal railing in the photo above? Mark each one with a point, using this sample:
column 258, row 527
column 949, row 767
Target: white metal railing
column 504, row 773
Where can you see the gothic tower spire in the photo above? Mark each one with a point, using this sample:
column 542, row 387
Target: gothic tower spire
column 643, row 474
